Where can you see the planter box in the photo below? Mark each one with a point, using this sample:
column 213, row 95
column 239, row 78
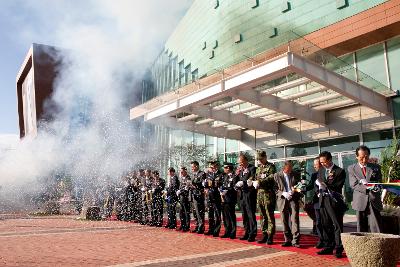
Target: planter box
column 371, row 249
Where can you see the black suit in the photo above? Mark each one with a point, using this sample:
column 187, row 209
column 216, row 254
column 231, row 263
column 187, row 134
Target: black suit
column 248, row 200
column 332, row 206
column 197, row 193
column 315, row 202
column 172, row 200
column 229, row 197
column 212, row 183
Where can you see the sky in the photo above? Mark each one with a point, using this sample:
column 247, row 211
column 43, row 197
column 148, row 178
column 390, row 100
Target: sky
column 23, row 22
column 107, row 46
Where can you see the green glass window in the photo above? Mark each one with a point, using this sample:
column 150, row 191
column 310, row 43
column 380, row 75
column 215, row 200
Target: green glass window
column 232, row 145
column 371, row 61
column 221, row 145
column 393, row 54
column 181, row 73
column 302, row 150
column 187, row 138
column 210, row 146
column 199, row 139
column 378, row 139
column 349, row 143
column 232, row 157
column 275, row 152
column 188, row 74
column 396, row 110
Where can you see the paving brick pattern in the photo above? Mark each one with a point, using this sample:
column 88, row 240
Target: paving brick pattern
column 63, row 241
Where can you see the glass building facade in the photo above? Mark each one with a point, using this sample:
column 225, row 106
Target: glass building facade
column 215, row 34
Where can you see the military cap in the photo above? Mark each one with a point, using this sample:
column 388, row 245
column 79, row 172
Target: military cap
column 228, row 164
column 260, row 154
column 183, row 168
column 171, row 169
column 212, row 162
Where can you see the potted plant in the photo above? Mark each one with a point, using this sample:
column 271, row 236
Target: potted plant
column 391, row 201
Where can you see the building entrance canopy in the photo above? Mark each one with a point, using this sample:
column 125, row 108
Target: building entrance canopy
column 285, row 87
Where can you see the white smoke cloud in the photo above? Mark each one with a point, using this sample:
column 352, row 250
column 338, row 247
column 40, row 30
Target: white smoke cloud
column 109, row 45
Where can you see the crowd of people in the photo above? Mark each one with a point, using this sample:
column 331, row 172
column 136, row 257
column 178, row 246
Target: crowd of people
column 261, row 188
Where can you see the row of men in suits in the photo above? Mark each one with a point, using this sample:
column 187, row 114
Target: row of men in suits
column 327, row 183
column 265, row 188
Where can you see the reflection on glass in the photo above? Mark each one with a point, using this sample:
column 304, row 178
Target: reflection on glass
column 232, row 145
column 274, row 152
column 347, row 160
column 393, row 54
column 340, row 144
column 221, row 145
column 302, row 149
column 378, row 139
column 232, row 157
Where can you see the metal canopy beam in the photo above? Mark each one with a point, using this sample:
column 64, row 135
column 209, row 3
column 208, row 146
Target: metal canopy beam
column 283, row 106
column 342, row 85
column 238, row 119
column 193, row 127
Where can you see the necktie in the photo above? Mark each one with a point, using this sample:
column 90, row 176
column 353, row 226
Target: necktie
column 286, row 182
column 364, row 171
column 326, row 174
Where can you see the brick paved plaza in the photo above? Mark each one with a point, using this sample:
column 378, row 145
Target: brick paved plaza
column 65, row 241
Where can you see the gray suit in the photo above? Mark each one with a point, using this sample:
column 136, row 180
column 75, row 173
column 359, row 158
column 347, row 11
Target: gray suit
column 366, row 202
column 289, row 208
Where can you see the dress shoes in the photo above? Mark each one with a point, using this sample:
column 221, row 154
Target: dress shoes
column 339, row 253
column 325, row 251
column 263, row 239
column 245, row 237
column 319, row 245
column 251, row 239
column 296, row 245
column 216, row 235
column 270, row 240
column 200, row 232
column 208, row 233
column 286, row 244
column 232, row 237
column 225, row 236
column 185, row 230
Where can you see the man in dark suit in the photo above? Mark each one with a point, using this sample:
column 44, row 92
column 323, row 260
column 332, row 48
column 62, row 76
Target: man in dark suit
column 248, row 197
column 183, row 194
column 288, row 202
column 330, row 182
column 229, row 199
column 197, row 192
column 172, row 198
column 212, row 183
column 366, row 200
column 311, row 186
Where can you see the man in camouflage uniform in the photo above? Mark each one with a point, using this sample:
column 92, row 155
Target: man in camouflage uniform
column 266, row 198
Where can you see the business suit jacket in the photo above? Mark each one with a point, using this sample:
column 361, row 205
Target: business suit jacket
column 335, row 182
column 361, row 195
column 280, row 188
column 243, row 175
column 311, row 186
